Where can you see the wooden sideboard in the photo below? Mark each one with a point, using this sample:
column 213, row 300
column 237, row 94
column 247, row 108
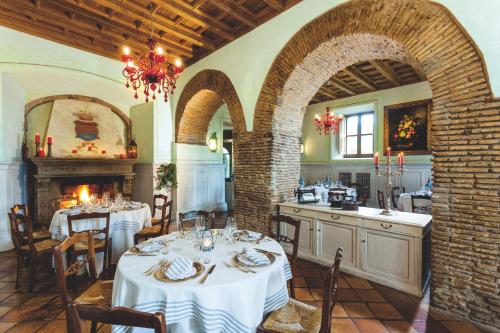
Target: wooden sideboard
column 391, row 250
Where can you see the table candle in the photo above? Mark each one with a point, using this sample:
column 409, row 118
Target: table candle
column 207, row 243
column 376, row 159
column 49, row 140
column 41, row 152
column 37, row 138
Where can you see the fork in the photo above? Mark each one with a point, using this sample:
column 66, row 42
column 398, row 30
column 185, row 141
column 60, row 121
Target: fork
column 150, row 271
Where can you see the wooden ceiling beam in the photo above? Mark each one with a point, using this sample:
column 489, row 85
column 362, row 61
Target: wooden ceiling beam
column 275, row 4
column 237, row 11
column 140, row 13
column 342, row 86
column 361, row 77
column 386, row 71
column 198, row 17
column 327, row 92
column 127, row 28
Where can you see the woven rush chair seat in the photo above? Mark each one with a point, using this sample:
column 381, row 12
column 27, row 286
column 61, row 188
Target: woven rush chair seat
column 150, row 230
column 157, row 230
column 294, row 317
column 39, row 235
column 45, row 245
column 99, row 293
column 99, row 244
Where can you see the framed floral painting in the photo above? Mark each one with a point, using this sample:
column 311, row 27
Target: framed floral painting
column 407, row 127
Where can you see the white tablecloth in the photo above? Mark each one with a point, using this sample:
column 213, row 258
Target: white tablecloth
column 405, row 205
column 122, row 227
column 230, row 301
column 323, row 193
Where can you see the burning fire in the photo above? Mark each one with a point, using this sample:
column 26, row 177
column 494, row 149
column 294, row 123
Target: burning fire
column 84, row 194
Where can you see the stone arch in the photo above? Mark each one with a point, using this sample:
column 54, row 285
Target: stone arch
column 465, row 132
column 200, row 99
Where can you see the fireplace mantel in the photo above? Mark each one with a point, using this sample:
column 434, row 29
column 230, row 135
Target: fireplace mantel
column 43, row 171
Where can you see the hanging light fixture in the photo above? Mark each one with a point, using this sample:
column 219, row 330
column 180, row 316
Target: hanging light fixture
column 329, row 123
column 152, row 71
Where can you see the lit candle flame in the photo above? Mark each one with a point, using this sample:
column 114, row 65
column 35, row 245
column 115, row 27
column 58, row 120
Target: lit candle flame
column 130, row 64
column 126, row 50
column 178, row 62
column 159, row 50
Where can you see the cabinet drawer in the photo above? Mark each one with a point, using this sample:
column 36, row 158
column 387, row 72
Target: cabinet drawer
column 337, row 218
column 392, row 227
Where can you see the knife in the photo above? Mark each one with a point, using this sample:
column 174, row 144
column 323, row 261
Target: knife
column 206, row 275
column 266, row 251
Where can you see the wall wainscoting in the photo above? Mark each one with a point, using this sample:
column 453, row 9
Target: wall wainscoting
column 414, row 178
column 12, row 191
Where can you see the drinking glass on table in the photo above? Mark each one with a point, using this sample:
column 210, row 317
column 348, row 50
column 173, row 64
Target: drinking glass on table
column 230, row 228
column 201, row 222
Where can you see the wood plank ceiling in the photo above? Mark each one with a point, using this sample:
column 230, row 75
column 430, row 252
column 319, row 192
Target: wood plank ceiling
column 366, row 77
column 187, row 29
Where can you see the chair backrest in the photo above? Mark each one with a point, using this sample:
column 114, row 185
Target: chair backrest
column 330, row 288
column 396, row 192
column 85, row 216
column 188, row 217
column 381, row 199
column 21, row 228
column 115, row 316
column 275, row 222
column 421, row 204
column 159, row 202
column 72, row 267
column 364, row 195
column 166, row 219
column 19, row 209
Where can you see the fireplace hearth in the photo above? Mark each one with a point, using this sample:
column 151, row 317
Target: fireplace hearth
column 51, row 179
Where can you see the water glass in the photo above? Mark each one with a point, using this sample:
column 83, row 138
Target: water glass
column 201, row 223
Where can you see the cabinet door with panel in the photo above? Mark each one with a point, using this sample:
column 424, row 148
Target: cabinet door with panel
column 388, row 255
column 331, row 236
column 305, row 235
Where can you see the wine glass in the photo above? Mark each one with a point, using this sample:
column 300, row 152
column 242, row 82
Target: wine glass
column 201, row 222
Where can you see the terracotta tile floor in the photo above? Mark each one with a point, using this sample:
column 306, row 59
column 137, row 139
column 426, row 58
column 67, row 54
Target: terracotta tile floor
column 362, row 306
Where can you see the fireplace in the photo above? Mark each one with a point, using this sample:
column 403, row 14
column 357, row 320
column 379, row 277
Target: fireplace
column 54, row 183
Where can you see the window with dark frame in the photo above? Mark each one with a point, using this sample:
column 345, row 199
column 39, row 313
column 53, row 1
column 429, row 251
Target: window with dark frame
column 359, row 135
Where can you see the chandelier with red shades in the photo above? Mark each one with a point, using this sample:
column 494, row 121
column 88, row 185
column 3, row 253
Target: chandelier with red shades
column 328, row 123
column 152, row 71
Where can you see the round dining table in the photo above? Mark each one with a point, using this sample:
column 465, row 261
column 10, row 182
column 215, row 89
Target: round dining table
column 124, row 223
column 229, row 301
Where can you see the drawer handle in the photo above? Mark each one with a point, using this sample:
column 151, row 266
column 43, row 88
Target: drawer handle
column 297, row 210
column 386, row 226
column 335, row 217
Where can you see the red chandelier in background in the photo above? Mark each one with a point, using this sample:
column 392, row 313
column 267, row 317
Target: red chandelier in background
column 152, row 71
column 328, row 123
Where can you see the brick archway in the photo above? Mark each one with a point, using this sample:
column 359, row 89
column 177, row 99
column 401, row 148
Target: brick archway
column 200, row 99
column 465, row 132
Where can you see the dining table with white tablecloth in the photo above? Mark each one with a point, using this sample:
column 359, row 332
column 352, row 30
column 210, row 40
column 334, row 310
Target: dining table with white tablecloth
column 230, row 300
column 124, row 223
column 405, row 204
column 322, row 192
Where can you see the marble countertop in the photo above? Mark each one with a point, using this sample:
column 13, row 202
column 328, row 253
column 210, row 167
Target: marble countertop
column 418, row 220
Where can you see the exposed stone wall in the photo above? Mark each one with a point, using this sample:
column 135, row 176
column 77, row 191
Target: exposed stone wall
column 465, row 134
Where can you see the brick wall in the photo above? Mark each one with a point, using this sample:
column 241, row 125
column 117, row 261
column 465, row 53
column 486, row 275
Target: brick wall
column 465, row 134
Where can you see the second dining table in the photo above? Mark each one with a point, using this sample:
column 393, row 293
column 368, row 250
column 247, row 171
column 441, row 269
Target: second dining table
column 229, row 300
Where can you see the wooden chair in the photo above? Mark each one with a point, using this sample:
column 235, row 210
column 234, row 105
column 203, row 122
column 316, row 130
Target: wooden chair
column 38, row 232
column 99, row 292
column 27, row 248
column 310, row 318
column 381, row 199
column 396, row 192
column 190, row 217
column 278, row 219
column 115, row 316
column 159, row 229
column 101, row 244
column 159, row 201
column 364, row 196
column 421, row 204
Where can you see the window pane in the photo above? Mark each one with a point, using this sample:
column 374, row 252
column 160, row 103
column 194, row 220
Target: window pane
column 367, row 123
column 352, row 125
column 352, row 145
column 367, row 144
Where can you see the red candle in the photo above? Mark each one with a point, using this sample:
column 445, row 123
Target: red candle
column 402, row 158
column 399, row 159
column 37, row 138
column 389, row 152
column 74, row 151
column 121, row 156
column 41, row 152
column 89, row 148
column 49, row 140
column 103, row 151
column 376, row 159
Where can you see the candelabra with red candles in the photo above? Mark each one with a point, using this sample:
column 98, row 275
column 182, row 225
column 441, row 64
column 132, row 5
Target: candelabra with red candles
column 152, row 71
column 388, row 171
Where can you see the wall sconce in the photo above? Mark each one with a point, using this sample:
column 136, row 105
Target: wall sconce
column 302, row 148
column 212, row 143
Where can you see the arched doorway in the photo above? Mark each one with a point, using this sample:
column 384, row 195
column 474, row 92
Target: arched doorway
column 201, row 98
column 425, row 35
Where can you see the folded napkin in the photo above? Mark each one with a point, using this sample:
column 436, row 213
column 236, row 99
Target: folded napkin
column 75, row 211
column 150, row 246
column 254, row 257
column 251, row 235
column 133, row 206
column 136, row 203
column 180, row 268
